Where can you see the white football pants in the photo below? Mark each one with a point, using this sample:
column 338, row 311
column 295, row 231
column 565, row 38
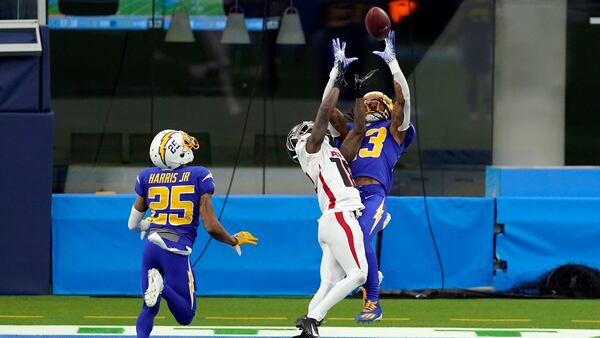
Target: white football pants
column 343, row 266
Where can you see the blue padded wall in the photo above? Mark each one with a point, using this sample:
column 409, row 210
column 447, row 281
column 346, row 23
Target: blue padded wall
column 463, row 229
column 544, row 233
column 95, row 253
column 572, row 181
column 95, row 228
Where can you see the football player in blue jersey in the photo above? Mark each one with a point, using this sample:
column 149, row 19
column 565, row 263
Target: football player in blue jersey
column 177, row 195
column 388, row 133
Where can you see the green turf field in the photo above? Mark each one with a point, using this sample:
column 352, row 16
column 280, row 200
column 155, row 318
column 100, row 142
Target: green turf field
column 226, row 311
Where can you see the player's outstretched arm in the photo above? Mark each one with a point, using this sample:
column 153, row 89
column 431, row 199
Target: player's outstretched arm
column 353, row 140
column 401, row 111
column 317, row 135
column 397, row 127
column 337, row 122
column 212, row 224
column 217, row 231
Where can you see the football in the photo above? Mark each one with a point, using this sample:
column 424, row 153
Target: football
column 377, row 23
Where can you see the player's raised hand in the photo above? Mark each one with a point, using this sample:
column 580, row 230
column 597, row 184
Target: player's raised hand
column 339, row 53
column 389, row 53
column 243, row 237
column 361, row 83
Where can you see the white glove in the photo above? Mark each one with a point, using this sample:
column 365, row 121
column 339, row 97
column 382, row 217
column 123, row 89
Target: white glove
column 389, row 53
column 339, row 53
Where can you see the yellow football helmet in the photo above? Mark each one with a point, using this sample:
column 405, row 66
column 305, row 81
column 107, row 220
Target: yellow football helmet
column 379, row 106
column 171, row 149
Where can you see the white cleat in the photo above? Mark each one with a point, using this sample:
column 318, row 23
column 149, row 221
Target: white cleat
column 155, row 287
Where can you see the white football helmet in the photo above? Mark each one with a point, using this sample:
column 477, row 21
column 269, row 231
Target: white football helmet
column 170, row 149
column 294, row 135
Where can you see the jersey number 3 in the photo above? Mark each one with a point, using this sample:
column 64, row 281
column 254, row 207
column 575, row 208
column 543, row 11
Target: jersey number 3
column 376, row 139
column 173, row 195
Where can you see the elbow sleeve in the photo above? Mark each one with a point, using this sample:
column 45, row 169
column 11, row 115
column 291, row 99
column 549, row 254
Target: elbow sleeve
column 332, row 76
column 134, row 219
column 399, row 77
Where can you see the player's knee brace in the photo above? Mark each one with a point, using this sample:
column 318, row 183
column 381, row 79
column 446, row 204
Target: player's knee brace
column 359, row 277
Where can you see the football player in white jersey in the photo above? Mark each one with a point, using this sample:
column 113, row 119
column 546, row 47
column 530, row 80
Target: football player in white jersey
column 343, row 266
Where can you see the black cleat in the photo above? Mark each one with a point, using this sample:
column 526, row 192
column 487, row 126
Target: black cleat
column 309, row 327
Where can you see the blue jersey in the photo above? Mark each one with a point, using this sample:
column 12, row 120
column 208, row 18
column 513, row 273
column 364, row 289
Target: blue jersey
column 173, row 197
column 379, row 153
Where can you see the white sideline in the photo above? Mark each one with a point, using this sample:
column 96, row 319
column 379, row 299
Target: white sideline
column 362, row 331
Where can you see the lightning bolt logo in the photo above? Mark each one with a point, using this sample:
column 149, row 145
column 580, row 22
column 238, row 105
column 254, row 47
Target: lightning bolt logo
column 163, row 143
column 377, row 216
column 191, row 284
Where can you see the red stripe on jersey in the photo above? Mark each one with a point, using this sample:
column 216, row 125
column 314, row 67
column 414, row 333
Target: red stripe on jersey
column 327, row 191
column 340, row 218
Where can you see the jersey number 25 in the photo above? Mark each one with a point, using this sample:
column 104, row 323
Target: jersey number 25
column 161, row 209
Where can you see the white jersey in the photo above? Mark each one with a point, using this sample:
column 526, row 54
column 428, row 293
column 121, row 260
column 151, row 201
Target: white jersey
column 329, row 172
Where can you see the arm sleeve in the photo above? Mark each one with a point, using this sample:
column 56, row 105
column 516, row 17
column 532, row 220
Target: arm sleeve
column 332, row 75
column 135, row 217
column 399, row 77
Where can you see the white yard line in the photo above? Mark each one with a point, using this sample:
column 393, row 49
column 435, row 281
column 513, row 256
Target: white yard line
column 257, row 331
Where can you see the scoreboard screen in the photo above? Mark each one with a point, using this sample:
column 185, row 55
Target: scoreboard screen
column 139, row 14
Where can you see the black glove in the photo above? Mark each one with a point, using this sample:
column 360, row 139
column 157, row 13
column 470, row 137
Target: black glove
column 340, row 82
column 361, row 83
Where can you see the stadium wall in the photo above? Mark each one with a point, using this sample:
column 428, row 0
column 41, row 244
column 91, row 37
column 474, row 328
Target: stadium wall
column 95, row 253
column 546, row 223
column 543, row 233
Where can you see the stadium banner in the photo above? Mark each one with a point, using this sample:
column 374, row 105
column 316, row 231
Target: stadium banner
column 463, row 231
column 543, row 233
column 95, row 253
